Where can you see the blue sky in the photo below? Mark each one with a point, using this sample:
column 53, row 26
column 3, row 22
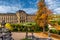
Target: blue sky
column 30, row 6
column 53, row 5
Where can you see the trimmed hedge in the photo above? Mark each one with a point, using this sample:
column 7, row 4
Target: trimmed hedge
column 26, row 39
column 29, row 26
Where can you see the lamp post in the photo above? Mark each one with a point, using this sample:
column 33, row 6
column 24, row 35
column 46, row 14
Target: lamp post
column 32, row 33
column 49, row 35
column 26, row 31
column 33, row 24
column 3, row 26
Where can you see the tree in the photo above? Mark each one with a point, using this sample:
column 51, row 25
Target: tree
column 57, row 26
column 42, row 15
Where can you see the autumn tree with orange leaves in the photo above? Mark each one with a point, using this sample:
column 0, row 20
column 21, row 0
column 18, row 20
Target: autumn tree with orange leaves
column 42, row 15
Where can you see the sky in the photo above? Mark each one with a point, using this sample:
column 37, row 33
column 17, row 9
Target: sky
column 53, row 5
column 29, row 6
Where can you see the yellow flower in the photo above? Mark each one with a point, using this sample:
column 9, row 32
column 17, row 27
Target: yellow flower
column 8, row 26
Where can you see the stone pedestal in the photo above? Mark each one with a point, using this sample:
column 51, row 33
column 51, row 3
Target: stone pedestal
column 5, row 34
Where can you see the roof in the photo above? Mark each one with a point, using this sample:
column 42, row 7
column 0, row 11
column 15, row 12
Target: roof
column 21, row 11
column 15, row 13
column 24, row 12
column 7, row 14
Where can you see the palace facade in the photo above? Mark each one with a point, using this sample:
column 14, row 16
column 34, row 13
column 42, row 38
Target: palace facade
column 18, row 17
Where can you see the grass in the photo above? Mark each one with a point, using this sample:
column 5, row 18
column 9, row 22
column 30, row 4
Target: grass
column 26, row 39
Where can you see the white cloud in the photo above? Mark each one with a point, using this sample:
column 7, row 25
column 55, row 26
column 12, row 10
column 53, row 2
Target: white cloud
column 57, row 10
column 30, row 10
column 54, row 5
column 5, row 9
column 37, row 1
column 48, row 1
column 54, row 13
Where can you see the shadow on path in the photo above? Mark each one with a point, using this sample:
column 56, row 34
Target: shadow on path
column 35, row 38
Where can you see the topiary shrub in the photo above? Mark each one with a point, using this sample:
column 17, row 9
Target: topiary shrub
column 26, row 39
column 53, row 31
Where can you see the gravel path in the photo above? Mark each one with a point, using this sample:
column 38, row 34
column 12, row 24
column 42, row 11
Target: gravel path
column 21, row 35
column 18, row 36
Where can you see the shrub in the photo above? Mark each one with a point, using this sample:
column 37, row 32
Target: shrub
column 53, row 31
column 59, row 32
column 26, row 39
column 32, row 27
column 59, row 22
column 46, row 28
column 8, row 26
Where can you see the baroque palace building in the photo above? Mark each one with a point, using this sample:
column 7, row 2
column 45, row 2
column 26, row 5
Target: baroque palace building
column 18, row 17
